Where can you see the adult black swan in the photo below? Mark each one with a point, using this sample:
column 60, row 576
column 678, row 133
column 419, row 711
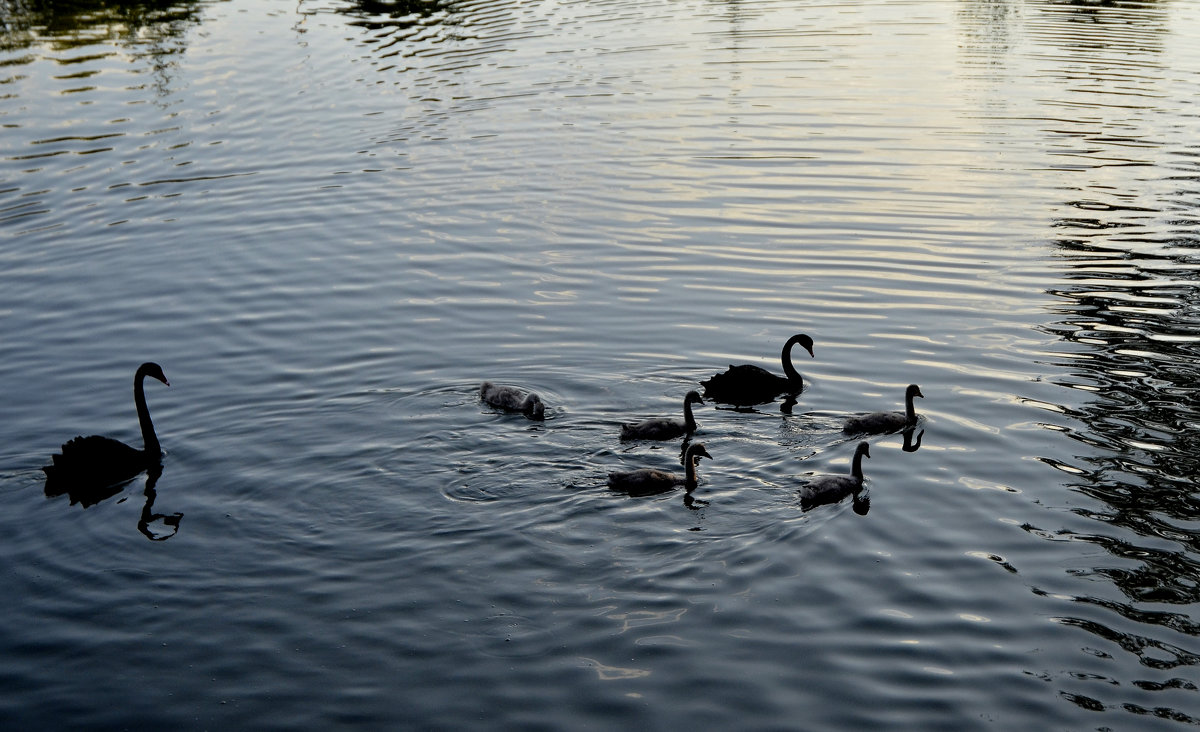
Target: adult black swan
column 747, row 385
column 825, row 489
column 649, row 482
column 664, row 428
column 95, row 463
column 878, row 423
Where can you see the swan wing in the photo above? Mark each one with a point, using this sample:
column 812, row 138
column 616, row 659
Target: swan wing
column 652, row 429
column 875, row 423
column 88, row 466
column 745, row 385
column 93, row 448
column 644, row 482
column 827, row 489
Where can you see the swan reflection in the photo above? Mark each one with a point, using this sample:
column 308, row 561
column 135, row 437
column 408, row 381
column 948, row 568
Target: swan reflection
column 154, row 526
column 911, row 443
column 149, row 520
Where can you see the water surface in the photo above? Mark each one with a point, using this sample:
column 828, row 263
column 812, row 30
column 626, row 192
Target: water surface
column 329, row 221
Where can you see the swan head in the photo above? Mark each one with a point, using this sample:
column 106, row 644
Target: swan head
column 696, row 451
column 913, row 391
column 152, row 370
column 693, row 397
column 804, row 341
column 534, row 407
column 864, row 449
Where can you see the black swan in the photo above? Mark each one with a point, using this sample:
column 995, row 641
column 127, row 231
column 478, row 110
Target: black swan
column 746, row 385
column 512, row 400
column 877, row 423
column 823, row 489
column 664, row 428
column 94, row 463
column 648, row 481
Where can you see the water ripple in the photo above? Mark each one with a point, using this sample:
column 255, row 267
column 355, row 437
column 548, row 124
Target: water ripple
column 330, row 244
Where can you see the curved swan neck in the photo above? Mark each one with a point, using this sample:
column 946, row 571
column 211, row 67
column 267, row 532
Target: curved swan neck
column 690, row 458
column 856, row 468
column 910, row 411
column 788, row 369
column 149, row 439
column 688, row 418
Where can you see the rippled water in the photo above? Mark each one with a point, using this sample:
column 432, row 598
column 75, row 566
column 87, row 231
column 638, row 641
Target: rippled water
column 329, row 221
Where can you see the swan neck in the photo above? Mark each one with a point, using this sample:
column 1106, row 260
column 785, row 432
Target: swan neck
column 856, row 468
column 689, row 470
column 910, row 411
column 788, row 369
column 688, row 418
column 149, row 439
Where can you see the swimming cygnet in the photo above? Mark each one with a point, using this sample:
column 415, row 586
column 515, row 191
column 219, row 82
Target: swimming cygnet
column 823, row 489
column 877, row 423
column 512, row 399
column 649, row 481
column 664, row 428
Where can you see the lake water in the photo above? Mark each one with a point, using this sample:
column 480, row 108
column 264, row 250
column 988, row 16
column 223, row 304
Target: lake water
column 330, row 221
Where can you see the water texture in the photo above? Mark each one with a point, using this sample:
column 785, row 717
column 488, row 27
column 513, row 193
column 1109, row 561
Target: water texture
column 330, row 221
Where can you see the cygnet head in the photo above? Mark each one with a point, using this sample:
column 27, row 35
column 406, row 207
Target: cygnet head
column 534, row 408
column 913, row 391
column 693, row 397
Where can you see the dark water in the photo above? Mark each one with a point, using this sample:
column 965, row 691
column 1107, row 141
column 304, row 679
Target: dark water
column 330, row 221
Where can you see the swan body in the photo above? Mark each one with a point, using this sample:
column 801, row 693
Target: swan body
column 877, row 423
column 649, row 481
column 94, row 463
column 512, row 399
column 663, row 428
column 824, row 489
column 746, row 385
